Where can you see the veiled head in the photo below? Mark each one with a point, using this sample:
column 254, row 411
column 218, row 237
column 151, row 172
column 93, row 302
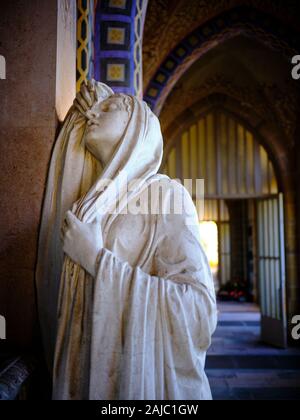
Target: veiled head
column 107, row 123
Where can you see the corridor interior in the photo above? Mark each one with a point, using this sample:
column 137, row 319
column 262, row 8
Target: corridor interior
column 241, row 367
column 242, row 229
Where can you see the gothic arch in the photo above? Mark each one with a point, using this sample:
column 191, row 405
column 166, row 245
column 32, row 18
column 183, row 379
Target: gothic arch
column 282, row 158
column 267, row 133
column 243, row 20
column 221, row 148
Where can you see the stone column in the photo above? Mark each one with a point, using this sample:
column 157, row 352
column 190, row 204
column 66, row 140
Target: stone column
column 38, row 41
column 85, row 40
column 119, row 28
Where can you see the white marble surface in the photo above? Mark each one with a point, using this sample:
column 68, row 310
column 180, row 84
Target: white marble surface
column 135, row 322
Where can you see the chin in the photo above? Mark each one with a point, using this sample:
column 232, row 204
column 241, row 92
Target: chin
column 90, row 139
column 94, row 137
column 95, row 154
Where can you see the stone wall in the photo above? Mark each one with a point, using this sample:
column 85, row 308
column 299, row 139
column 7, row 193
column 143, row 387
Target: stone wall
column 28, row 124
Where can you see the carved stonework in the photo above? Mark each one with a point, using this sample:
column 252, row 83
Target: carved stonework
column 271, row 102
column 285, row 105
column 168, row 24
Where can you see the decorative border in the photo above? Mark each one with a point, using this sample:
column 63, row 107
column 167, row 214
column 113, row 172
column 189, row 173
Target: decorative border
column 141, row 9
column 113, row 63
column 242, row 20
column 118, row 44
column 85, row 41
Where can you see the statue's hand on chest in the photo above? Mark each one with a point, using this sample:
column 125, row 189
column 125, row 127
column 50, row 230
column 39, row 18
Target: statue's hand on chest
column 82, row 242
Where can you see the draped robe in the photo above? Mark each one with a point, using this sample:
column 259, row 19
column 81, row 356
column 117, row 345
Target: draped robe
column 141, row 328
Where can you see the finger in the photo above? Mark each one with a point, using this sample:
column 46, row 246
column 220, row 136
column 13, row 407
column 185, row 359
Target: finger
column 92, row 91
column 87, row 92
column 71, row 219
column 86, row 95
column 79, row 107
column 64, row 228
column 82, row 101
column 91, row 84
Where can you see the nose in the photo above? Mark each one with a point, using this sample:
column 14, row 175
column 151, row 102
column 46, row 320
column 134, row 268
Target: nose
column 93, row 117
column 92, row 114
column 92, row 121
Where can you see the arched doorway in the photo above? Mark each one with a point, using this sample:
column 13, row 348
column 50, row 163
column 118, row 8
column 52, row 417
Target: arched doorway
column 243, row 197
column 242, row 20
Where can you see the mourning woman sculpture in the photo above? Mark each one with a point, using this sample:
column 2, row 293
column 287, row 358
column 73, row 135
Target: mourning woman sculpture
column 126, row 300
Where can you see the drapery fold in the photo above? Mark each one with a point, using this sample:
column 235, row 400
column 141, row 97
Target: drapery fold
column 148, row 334
column 136, row 331
column 154, row 349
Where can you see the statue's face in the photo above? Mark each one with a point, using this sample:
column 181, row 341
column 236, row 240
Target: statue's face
column 106, row 126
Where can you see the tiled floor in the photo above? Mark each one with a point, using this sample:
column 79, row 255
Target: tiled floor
column 240, row 367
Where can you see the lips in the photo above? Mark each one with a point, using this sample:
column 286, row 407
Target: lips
column 92, row 123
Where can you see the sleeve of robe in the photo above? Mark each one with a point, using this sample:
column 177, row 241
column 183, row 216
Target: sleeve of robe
column 151, row 332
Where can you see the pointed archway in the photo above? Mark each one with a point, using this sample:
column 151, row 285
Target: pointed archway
column 240, row 21
column 219, row 146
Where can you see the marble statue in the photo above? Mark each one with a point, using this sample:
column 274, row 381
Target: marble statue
column 126, row 301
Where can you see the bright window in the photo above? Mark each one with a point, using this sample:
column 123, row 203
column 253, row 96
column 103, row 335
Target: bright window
column 209, row 241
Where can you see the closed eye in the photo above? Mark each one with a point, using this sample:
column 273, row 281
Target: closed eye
column 109, row 107
column 105, row 108
column 113, row 107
